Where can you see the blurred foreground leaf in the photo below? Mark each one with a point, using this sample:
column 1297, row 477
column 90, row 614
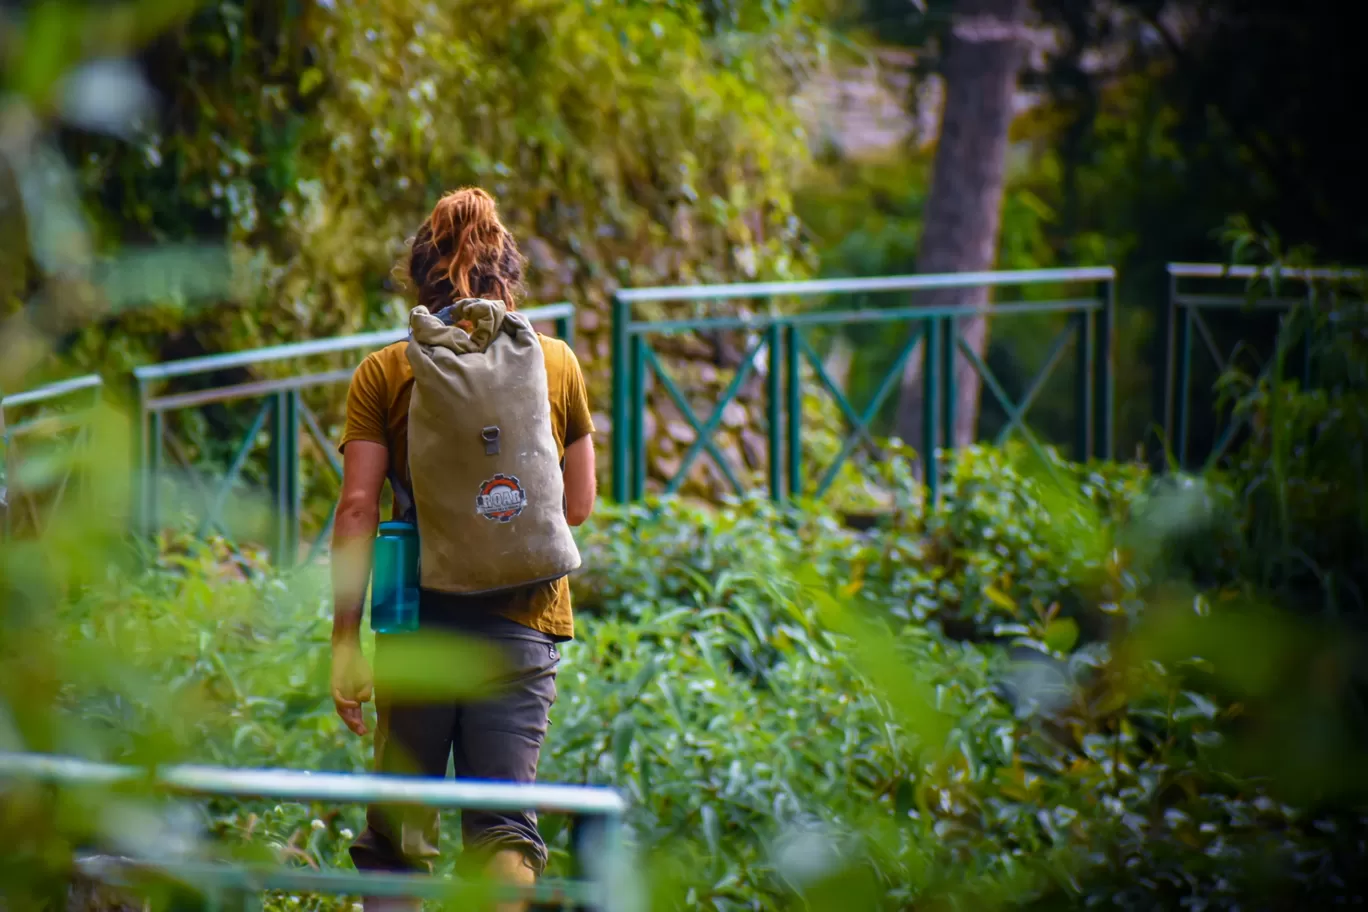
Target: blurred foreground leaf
column 436, row 666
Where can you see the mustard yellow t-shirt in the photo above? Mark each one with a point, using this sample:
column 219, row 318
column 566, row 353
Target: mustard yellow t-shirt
column 377, row 411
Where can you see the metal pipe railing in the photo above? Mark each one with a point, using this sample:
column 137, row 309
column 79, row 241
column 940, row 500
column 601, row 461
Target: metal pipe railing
column 1185, row 330
column 11, row 497
column 606, row 886
column 753, row 290
column 780, row 334
column 1219, row 271
column 51, row 391
column 288, row 418
column 562, row 314
column 934, row 328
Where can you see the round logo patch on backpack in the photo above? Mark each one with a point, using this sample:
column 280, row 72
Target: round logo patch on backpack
column 501, row 498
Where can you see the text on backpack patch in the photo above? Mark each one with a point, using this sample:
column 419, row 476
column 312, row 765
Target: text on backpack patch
column 501, row 498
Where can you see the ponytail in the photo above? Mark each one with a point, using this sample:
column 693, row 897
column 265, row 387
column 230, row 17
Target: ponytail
column 463, row 250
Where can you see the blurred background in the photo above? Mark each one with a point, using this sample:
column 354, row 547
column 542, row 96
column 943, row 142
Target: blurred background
column 1104, row 650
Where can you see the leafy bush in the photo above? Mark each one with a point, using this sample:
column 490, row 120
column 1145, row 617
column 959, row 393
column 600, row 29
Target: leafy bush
column 1057, row 686
column 986, row 554
column 628, row 143
column 776, row 695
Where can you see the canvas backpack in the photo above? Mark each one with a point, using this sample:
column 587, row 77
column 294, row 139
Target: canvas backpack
column 486, row 492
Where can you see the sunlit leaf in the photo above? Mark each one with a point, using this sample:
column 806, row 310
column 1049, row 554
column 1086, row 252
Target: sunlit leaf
column 1000, row 598
column 1061, row 634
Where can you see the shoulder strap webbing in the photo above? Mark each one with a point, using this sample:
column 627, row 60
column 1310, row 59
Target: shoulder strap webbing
column 404, row 507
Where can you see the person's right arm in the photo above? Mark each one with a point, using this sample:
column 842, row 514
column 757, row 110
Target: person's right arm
column 358, row 516
column 365, row 462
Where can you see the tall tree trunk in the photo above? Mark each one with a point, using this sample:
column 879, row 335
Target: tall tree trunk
column 984, row 53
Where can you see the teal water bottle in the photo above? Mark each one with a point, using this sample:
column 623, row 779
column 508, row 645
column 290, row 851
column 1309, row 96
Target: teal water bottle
column 394, row 583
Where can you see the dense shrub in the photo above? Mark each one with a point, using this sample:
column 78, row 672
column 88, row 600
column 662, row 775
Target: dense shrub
column 990, row 552
column 1057, row 686
column 778, row 697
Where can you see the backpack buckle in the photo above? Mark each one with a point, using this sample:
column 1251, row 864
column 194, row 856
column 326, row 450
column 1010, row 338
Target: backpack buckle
column 490, row 436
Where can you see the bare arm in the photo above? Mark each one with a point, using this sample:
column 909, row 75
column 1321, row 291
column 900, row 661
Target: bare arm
column 581, row 487
column 358, row 515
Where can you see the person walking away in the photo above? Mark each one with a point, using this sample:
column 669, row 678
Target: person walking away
column 495, row 549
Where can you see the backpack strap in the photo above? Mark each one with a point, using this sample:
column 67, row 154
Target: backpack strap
column 404, row 507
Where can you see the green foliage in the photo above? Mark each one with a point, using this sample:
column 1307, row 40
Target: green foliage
column 56, row 278
column 605, row 130
column 1305, row 416
column 779, row 698
column 1004, row 697
column 1059, row 686
column 628, row 143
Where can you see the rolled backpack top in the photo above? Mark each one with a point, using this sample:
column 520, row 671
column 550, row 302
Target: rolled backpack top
column 487, row 493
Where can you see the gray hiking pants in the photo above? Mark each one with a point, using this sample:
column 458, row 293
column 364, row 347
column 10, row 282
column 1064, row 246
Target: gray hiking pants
column 498, row 737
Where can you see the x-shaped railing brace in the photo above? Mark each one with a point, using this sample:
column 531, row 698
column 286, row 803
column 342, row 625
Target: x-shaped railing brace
column 860, row 422
column 703, row 433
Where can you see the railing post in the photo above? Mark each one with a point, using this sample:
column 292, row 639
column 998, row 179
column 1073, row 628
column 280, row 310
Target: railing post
column 601, row 859
column 1083, row 386
column 637, row 345
column 152, row 474
column 239, row 900
column 285, row 478
column 85, row 437
column 1169, row 330
column 1184, row 381
column 293, row 499
column 621, row 429
column 1104, row 389
column 949, row 356
column 932, row 336
column 774, row 409
column 139, row 472
column 794, row 390
column 1308, row 340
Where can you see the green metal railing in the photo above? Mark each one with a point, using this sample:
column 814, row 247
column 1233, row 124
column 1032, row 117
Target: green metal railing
column 1233, row 298
column 280, row 413
column 782, row 341
column 604, row 881
column 72, row 400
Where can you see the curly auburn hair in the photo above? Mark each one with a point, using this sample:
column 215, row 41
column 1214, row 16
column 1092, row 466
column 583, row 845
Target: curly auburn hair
column 463, row 250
